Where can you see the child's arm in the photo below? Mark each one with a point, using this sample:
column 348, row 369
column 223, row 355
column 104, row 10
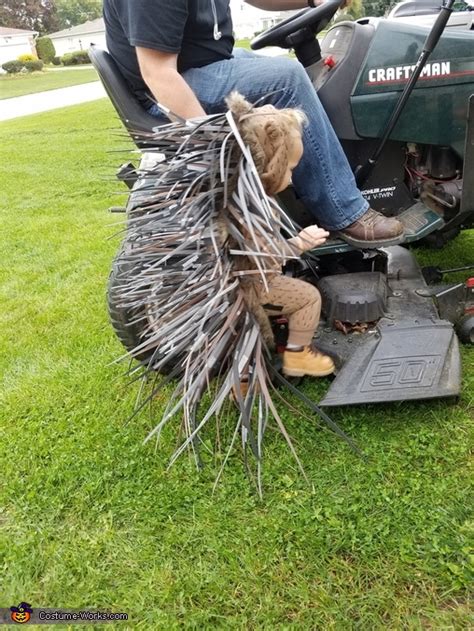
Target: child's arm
column 309, row 238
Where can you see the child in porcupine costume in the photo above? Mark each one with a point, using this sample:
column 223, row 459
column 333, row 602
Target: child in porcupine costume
column 274, row 139
column 202, row 258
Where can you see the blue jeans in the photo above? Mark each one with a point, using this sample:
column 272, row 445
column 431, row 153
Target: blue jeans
column 323, row 179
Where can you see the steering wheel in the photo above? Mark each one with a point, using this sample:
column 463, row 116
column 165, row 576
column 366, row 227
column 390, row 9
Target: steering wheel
column 314, row 20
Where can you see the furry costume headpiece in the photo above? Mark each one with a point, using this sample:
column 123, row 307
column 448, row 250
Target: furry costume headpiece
column 267, row 132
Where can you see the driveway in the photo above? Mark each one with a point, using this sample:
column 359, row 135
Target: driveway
column 50, row 100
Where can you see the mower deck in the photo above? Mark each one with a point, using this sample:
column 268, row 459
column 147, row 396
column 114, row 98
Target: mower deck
column 410, row 353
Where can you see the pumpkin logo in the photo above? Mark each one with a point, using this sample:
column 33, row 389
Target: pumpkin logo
column 22, row 613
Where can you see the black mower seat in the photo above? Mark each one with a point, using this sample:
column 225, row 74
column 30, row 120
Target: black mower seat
column 134, row 117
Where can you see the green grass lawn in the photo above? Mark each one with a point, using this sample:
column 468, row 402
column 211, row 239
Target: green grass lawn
column 21, row 84
column 243, row 43
column 90, row 518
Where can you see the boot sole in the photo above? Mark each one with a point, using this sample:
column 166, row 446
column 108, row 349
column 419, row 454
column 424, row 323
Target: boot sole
column 380, row 243
column 294, row 372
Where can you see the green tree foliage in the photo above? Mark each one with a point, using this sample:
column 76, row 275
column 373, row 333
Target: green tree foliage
column 351, row 11
column 31, row 15
column 45, row 49
column 355, row 9
column 377, row 8
column 47, row 16
column 74, row 12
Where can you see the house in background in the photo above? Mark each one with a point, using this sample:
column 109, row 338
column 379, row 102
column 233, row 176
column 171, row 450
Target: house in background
column 14, row 42
column 79, row 37
column 248, row 20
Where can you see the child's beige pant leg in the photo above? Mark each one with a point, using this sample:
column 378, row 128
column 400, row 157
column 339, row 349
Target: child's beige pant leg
column 299, row 301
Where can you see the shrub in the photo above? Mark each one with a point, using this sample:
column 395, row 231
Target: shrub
column 12, row 67
column 75, row 58
column 26, row 57
column 83, row 57
column 34, row 65
column 45, row 49
column 56, row 61
column 68, row 59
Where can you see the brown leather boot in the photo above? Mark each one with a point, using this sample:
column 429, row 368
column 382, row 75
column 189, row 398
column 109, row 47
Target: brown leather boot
column 373, row 230
column 308, row 361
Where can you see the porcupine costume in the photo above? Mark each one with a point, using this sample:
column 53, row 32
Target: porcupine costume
column 201, row 236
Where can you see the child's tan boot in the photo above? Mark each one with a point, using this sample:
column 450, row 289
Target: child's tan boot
column 307, row 361
column 243, row 387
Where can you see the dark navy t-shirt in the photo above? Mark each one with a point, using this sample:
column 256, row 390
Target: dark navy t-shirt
column 185, row 27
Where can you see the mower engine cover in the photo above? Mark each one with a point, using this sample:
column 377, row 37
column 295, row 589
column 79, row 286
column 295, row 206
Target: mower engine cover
column 387, row 51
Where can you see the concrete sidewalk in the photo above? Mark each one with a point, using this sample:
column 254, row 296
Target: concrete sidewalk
column 50, row 100
column 63, row 97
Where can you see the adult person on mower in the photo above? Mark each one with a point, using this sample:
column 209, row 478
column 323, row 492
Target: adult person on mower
column 181, row 52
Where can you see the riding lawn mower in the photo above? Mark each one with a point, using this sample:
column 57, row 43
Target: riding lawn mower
column 400, row 97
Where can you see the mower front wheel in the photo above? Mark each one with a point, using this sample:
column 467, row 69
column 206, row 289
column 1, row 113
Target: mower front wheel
column 129, row 324
column 465, row 329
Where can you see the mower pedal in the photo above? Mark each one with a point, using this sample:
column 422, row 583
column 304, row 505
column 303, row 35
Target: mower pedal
column 332, row 246
column 419, row 221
